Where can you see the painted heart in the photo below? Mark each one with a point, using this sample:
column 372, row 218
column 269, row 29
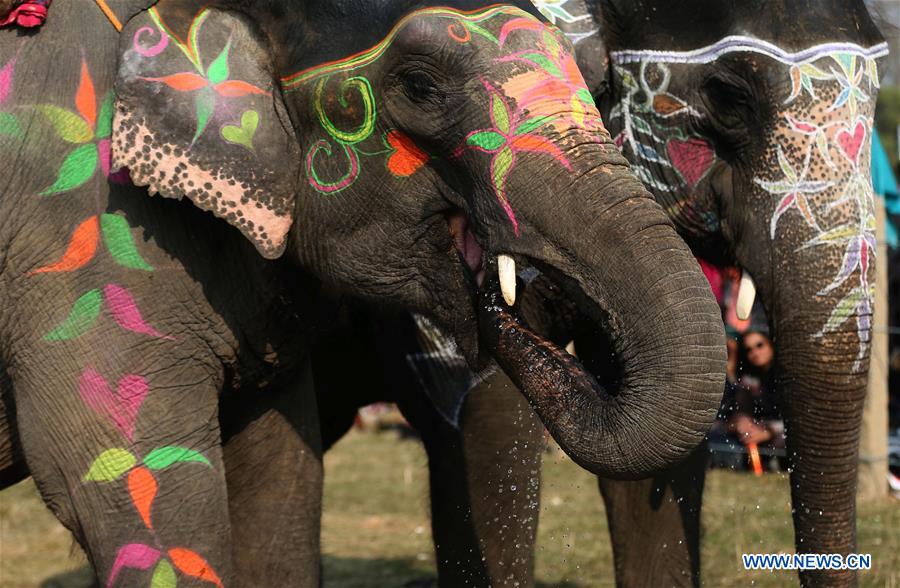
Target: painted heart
column 243, row 135
column 851, row 143
column 121, row 406
column 407, row 158
column 692, row 158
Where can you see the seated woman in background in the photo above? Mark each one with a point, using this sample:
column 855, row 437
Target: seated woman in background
column 757, row 418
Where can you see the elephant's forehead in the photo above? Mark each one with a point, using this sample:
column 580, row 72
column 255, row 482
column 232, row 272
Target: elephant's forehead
column 353, row 49
column 747, row 44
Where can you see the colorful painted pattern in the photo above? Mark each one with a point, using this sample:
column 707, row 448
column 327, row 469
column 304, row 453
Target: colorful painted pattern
column 548, row 94
column 209, row 84
column 571, row 16
column 87, row 129
column 820, row 159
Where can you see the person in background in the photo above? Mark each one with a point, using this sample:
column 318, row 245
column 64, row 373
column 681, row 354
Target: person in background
column 757, row 418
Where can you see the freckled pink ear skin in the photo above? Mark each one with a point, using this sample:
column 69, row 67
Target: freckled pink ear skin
column 206, row 120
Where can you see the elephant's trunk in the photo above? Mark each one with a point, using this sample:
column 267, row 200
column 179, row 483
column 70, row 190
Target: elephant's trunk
column 636, row 280
column 820, row 378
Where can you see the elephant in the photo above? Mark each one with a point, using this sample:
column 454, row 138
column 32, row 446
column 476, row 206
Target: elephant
column 751, row 128
column 154, row 360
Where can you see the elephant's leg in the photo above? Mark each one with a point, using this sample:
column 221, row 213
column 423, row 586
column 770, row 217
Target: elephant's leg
column 125, row 450
column 273, row 463
column 485, row 487
column 655, row 525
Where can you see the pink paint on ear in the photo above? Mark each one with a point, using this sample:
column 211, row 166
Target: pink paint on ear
column 692, row 158
column 133, row 555
column 154, row 50
column 6, row 76
column 125, row 312
column 122, row 407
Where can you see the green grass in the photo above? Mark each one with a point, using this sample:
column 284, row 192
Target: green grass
column 376, row 531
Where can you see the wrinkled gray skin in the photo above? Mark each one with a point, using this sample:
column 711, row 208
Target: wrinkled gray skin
column 191, row 339
column 738, row 104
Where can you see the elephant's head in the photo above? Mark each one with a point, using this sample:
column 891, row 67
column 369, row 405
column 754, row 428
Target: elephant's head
column 397, row 150
column 751, row 124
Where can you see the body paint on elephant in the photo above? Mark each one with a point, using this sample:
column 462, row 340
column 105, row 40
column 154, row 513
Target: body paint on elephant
column 210, row 84
column 332, row 83
column 826, row 123
column 121, row 408
column 571, row 16
column 549, row 95
column 9, row 123
column 88, row 127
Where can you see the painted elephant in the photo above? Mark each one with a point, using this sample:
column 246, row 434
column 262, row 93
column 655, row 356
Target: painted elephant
column 410, row 154
column 752, row 131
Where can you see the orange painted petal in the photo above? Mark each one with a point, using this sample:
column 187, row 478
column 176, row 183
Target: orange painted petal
column 408, row 158
column 237, row 88
column 183, row 82
column 538, row 144
column 80, row 251
column 85, row 98
column 142, row 486
column 191, row 564
column 573, row 74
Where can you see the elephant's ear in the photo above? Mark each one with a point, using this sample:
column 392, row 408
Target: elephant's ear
column 199, row 114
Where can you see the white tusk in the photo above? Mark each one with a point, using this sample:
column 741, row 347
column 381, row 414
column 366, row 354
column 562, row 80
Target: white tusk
column 506, row 265
column 746, row 296
column 570, row 348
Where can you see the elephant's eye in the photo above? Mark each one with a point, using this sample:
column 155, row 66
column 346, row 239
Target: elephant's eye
column 421, row 87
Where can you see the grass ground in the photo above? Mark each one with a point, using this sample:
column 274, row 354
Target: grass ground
column 376, row 531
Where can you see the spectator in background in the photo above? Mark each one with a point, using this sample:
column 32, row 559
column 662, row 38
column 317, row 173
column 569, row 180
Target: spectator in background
column 757, row 418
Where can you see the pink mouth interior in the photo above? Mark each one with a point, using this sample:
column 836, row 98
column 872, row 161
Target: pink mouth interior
column 467, row 245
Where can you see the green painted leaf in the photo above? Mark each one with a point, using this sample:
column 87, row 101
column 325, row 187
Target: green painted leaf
column 533, row 123
column 68, row 125
column 110, row 465
column 119, row 241
column 105, row 116
column 77, row 168
column 500, row 113
column 844, row 310
column 481, row 31
column 218, row 69
column 786, row 167
column 205, row 102
column 9, row 125
column 487, row 140
column 544, row 62
column 163, row 575
column 500, row 167
column 81, row 318
column 585, row 96
column 163, row 457
column 814, row 72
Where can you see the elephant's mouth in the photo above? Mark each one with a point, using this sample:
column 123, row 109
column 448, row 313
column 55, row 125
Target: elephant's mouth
column 562, row 313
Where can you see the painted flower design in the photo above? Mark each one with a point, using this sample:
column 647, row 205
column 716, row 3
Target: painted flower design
column 510, row 135
column 794, row 191
column 208, row 84
column 555, row 10
column 559, row 81
column 88, row 128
